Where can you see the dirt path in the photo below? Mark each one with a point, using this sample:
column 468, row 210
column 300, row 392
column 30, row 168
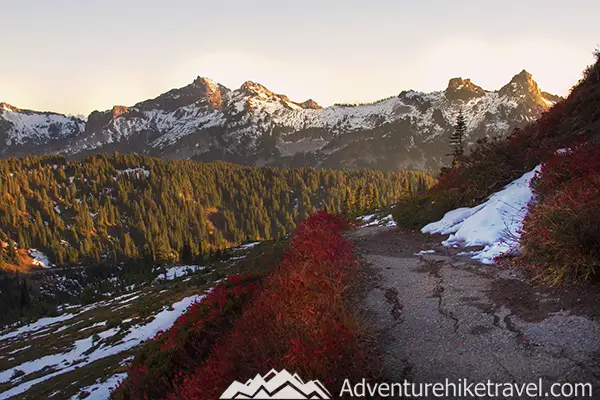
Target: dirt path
column 442, row 316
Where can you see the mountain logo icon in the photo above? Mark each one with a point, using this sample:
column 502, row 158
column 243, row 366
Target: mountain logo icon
column 277, row 385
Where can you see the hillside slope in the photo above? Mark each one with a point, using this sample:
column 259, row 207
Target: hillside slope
column 253, row 125
column 81, row 346
column 551, row 216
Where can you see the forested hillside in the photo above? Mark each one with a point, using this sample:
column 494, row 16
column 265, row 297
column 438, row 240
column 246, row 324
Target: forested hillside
column 122, row 207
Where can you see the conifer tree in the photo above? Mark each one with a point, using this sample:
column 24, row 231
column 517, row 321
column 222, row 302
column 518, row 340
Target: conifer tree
column 350, row 202
column 360, row 200
column 24, row 299
column 374, row 202
column 456, row 140
column 186, row 255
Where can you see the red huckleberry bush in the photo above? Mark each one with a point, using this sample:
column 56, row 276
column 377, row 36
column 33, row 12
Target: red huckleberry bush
column 561, row 233
column 579, row 160
column 300, row 321
column 163, row 360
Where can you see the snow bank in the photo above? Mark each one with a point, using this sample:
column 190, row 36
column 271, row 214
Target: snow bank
column 61, row 359
column 495, row 224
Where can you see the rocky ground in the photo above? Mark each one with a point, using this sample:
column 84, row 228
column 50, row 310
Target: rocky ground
column 439, row 315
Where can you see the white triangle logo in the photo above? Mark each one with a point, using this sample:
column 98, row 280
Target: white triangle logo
column 277, row 385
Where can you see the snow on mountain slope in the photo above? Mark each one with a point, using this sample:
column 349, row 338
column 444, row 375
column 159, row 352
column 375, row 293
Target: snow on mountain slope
column 495, row 224
column 253, row 125
column 22, row 127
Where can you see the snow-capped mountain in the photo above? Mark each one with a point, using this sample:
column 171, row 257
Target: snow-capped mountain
column 252, row 125
column 25, row 131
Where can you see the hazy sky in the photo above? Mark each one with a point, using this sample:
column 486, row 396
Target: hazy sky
column 74, row 56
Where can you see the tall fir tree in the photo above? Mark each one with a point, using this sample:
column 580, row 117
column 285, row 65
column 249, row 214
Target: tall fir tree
column 24, row 298
column 456, row 140
column 186, row 254
column 374, row 203
column 350, row 202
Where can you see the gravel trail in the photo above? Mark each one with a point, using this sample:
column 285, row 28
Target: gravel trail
column 440, row 315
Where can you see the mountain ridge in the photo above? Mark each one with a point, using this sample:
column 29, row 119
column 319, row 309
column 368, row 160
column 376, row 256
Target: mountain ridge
column 207, row 121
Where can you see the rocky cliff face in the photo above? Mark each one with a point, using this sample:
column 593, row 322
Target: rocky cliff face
column 253, row 125
column 462, row 89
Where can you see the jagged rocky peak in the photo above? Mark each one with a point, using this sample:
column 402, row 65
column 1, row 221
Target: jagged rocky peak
column 310, row 104
column 211, row 90
column 205, row 82
column 462, row 89
column 98, row 119
column 522, row 85
column 256, row 90
column 203, row 91
column 9, row 107
column 117, row 111
column 253, row 88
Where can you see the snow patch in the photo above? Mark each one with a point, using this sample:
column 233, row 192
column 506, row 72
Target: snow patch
column 39, row 258
column 423, row 252
column 377, row 220
column 179, row 271
column 36, row 326
column 90, row 349
column 248, row 246
column 495, row 224
column 96, row 325
column 101, row 390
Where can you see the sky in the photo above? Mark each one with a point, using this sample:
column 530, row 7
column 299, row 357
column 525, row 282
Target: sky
column 76, row 56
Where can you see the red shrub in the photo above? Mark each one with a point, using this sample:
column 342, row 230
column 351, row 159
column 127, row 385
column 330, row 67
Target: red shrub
column 454, row 179
column 160, row 363
column 579, row 160
column 300, row 321
column 561, row 234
